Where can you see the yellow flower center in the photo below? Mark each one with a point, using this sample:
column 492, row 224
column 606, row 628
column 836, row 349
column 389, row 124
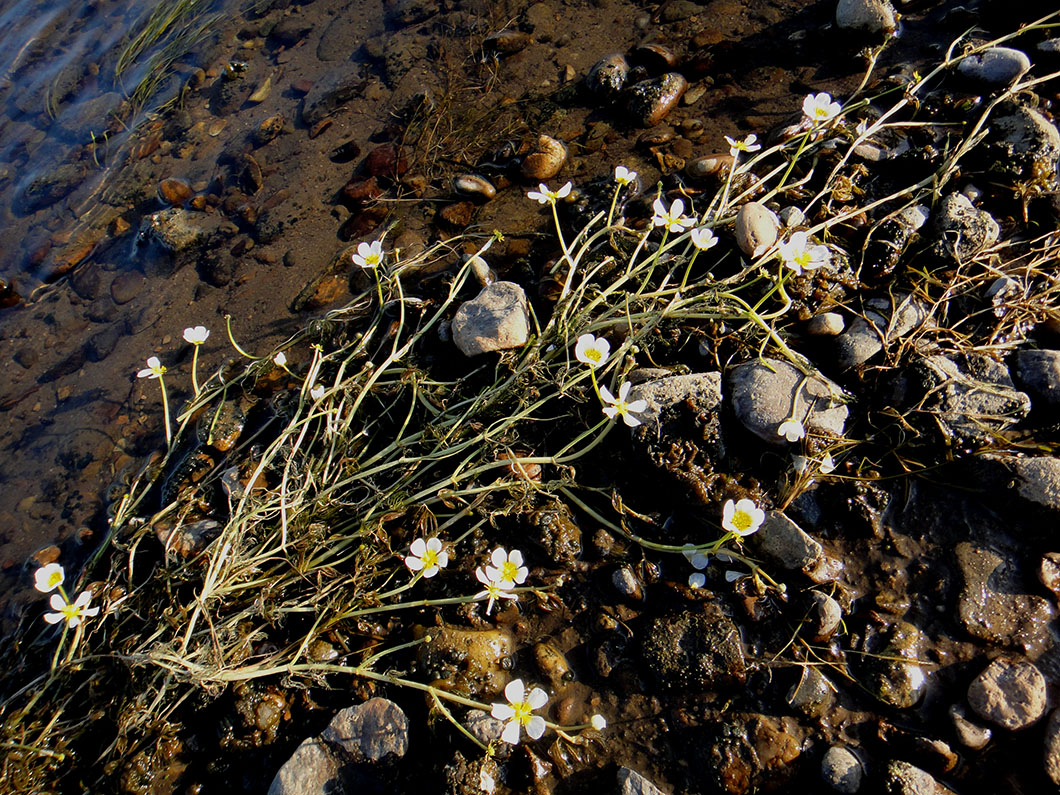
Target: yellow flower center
column 509, row 571
column 593, row 354
column 430, row 558
column 70, row 611
column 54, row 579
column 523, row 712
column 741, row 520
column 802, row 259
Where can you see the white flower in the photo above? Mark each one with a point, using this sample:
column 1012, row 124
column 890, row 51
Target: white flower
column 48, row 578
column 427, row 556
column 495, row 589
column 196, row 335
column 800, row 256
column 545, row 196
column 280, row 359
column 73, row 612
column 673, row 219
column 791, row 429
column 623, row 176
column 827, row 466
column 746, row 145
column 369, row 255
column 317, row 392
column 507, row 569
column 696, row 580
column 591, row 350
column 820, row 108
column 154, row 369
column 519, row 711
column 732, row 575
column 703, row 238
column 620, row 407
column 598, row 722
column 697, row 557
column 742, row 518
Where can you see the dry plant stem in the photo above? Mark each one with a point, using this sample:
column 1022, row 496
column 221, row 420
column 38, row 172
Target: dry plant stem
column 165, row 411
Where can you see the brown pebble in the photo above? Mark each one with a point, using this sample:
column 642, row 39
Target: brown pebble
column 174, row 192
column 681, row 147
column 546, row 160
column 386, row 161
column 301, row 87
column 362, row 190
column 42, row 557
column 125, row 287
column 456, row 216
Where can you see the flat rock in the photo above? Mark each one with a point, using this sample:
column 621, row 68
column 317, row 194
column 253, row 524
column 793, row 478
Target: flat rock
column 1009, row 693
column 996, row 66
column 370, row 731
column 871, row 16
column 842, row 770
column 884, row 321
column 969, row 733
column 176, row 229
column 1038, row 374
column 902, row 778
column 785, row 543
column 50, row 186
column 764, row 394
column 495, row 320
column 991, row 605
column 630, row 782
column 662, row 394
column 332, row 92
column 962, row 230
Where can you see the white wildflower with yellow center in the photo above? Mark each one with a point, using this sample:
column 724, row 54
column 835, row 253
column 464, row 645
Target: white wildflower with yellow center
column 428, row 556
column 196, row 335
column 742, row 518
column 748, row 144
column 507, row 567
column 495, row 589
column 47, row 578
column 820, row 108
column 369, row 255
column 673, row 219
column 71, row 612
column 591, row 350
column 154, row 369
column 545, row 196
column 800, row 256
column 620, row 406
column 519, row 712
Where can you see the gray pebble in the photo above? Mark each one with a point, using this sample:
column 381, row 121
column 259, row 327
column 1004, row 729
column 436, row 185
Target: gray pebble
column 630, row 782
column 495, row 320
column 970, row 734
column 871, row 16
column 963, row 230
column 1038, row 374
column 826, row 324
column 785, row 543
column 996, row 66
column 756, row 228
column 824, row 616
column 1009, row 693
column 903, row 778
column 841, row 770
column 813, row 694
column 1052, row 747
column 371, row 731
column 627, row 583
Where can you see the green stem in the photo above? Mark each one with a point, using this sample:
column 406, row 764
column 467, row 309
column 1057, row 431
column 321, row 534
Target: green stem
column 194, row 370
column 165, row 410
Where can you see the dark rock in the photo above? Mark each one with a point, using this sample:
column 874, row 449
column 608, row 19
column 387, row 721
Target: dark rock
column 884, row 321
column 651, row 100
column 341, row 38
column 694, row 651
column 764, row 394
column 409, row 12
column 1052, row 747
column 87, row 282
column 992, row 604
column 126, row 286
column 457, row 216
column 813, row 694
column 1010, row 693
column 1038, row 374
column 892, row 674
column 995, row 66
column 825, row 615
column 177, row 230
column 290, row 30
column 1023, row 144
column 90, row 118
column 101, row 344
column 387, row 160
column 331, row 92
column 51, row 186
column 495, row 320
column 970, row 734
column 842, row 770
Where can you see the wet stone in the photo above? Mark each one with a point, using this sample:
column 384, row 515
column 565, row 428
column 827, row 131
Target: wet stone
column 330, row 93
column 694, row 651
column 650, row 101
column 486, row 728
column 969, row 734
column 126, row 286
column 370, row 732
column 962, row 230
column 1038, row 374
column 785, row 543
column 992, row 604
column 813, row 694
column 824, row 616
column 826, row 324
column 753, row 753
column 757, row 228
column 1052, row 747
column 871, row 16
column 311, row 770
column 630, row 782
column 495, row 320
column 50, row 187
column 996, row 66
column 627, row 583
column 892, row 674
column 882, row 323
column 1024, row 143
column 81, row 121
column 469, row 661
column 176, row 229
column 902, row 778
column 1011, row 694
column 764, row 394
column 842, row 770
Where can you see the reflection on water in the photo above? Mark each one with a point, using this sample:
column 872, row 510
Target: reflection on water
column 77, row 78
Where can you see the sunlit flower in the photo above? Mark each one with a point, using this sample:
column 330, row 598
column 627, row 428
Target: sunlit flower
column 827, row 466
column 703, row 238
column 620, row 407
column 746, row 145
column 280, row 359
column 427, row 556
column 519, row 711
column 545, row 196
column 369, row 255
column 696, row 579
column 820, row 108
column 495, row 589
column 791, row 429
column 196, row 335
column 800, row 256
column 742, row 518
column 71, row 612
column 673, row 219
column 317, row 392
column 507, row 568
column 598, row 722
column 591, row 350
column 154, row 369
column 623, row 176
column 48, row 578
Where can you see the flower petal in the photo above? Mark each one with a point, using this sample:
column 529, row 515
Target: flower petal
column 536, row 727
column 502, row 712
column 537, row 698
column 514, row 691
column 499, row 557
column 510, row 734
column 434, row 544
column 516, row 557
column 418, row 547
column 415, row 564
